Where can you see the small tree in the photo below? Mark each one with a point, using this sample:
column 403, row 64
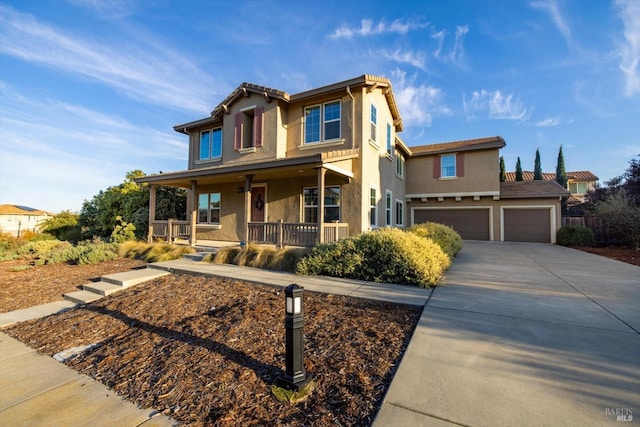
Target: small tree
column 63, row 226
column 519, row 176
column 623, row 216
column 561, row 173
column 537, row 168
column 503, row 173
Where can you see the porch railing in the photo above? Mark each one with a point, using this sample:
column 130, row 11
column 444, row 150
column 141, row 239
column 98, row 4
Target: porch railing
column 295, row 234
column 171, row 229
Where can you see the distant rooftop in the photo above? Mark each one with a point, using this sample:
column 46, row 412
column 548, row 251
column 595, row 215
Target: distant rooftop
column 575, row 176
column 20, row 210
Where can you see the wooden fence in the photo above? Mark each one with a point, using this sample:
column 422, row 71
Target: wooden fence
column 601, row 229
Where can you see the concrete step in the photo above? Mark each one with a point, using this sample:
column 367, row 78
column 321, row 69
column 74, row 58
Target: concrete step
column 133, row 277
column 82, row 297
column 198, row 256
column 102, row 288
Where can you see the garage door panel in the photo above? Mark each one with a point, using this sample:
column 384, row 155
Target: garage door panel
column 527, row 225
column 471, row 224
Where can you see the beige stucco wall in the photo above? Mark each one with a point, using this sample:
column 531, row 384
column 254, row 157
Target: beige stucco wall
column 481, row 175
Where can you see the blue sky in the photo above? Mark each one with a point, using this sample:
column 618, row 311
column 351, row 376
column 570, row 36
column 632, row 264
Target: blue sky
column 91, row 89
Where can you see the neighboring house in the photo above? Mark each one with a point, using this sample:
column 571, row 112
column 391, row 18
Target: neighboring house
column 316, row 166
column 578, row 183
column 15, row 219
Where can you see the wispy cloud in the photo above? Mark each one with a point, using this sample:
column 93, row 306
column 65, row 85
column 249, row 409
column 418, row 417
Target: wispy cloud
column 65, row 144
column 414, row 58
column 549, row 122
column 418, row 104
column 145, row 70
column 369, row 28
column 551, row 8
column 456, row 54
column 495, row 105
column 108, row 9
column 630, row 49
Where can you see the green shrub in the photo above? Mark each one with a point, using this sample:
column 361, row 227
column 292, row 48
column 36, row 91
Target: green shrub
column 42, row 247
column 83, row 253
column 444, row 236
column 256, row 256
column 153, row 252
column 123, row 231
column 388, row 255
column 575, row 235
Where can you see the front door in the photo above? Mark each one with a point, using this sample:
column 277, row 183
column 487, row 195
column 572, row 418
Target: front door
column 258, row 203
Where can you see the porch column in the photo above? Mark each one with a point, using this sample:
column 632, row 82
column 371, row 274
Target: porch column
column 192, row 211
column 247, row 206
column 152, row 211
column 321, row 175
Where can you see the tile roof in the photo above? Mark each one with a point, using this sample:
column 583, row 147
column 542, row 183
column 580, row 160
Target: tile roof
column 576, row 176
column 531, row 189
column 466, row 145
column 21, row 210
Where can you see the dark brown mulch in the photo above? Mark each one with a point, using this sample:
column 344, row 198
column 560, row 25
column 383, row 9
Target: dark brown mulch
column 619, row 253
column 23, row 285
column 206, row 351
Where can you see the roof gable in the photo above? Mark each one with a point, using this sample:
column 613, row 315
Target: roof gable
column 455, row 146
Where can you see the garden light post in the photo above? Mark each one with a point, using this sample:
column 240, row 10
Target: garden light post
column 295, row 377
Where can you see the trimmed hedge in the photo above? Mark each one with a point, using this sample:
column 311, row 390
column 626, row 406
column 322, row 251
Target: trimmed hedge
column 575, row 235
column 444, row 236
column 387, row 255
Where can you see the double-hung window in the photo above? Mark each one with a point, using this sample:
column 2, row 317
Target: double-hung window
column 210, row 144
column 389, row 142
column 399, row 213
column 374, row 122
column 209, row 208
column 399, row 164
column 448, row 166
column 577, row 187
column 322, row 122
column 331, row 204
column 373, row 207
column 388, row 208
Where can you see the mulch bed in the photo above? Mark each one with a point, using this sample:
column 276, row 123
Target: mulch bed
column 619, row 253
column 206, row 351
column 24, row 285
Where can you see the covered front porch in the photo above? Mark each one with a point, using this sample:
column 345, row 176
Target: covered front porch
column 268, row 203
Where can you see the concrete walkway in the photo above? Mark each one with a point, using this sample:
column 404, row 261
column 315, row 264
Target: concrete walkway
column 523, row 335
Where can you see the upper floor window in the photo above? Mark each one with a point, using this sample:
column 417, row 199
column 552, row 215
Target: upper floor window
column 448, row 166
column 374, row 122
column 399, row 164
column 577, row 187
column 322, row 123
column 248, row 128
column 331, row 204
column 209, row 208
column 389, row 142
column 210, row 144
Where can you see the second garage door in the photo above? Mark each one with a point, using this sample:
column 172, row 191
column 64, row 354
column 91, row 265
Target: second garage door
column 527, row 225
column 471, row 224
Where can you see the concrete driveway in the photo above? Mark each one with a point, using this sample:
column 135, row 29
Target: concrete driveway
column 523, row 334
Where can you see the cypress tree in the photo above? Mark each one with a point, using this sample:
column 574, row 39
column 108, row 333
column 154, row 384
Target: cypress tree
column 561, row 173
column 537, row 169
column 503, row 173
column 519, row 171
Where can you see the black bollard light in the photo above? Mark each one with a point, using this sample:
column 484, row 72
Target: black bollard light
column 295, row 377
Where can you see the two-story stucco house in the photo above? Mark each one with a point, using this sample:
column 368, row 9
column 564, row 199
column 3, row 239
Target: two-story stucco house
column 316, row 166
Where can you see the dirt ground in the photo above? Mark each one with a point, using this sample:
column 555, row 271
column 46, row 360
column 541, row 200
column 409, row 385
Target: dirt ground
column 23, row 285
column 206, row 351
column 620, row 253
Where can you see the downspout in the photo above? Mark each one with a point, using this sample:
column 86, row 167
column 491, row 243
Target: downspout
column 353, row 117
